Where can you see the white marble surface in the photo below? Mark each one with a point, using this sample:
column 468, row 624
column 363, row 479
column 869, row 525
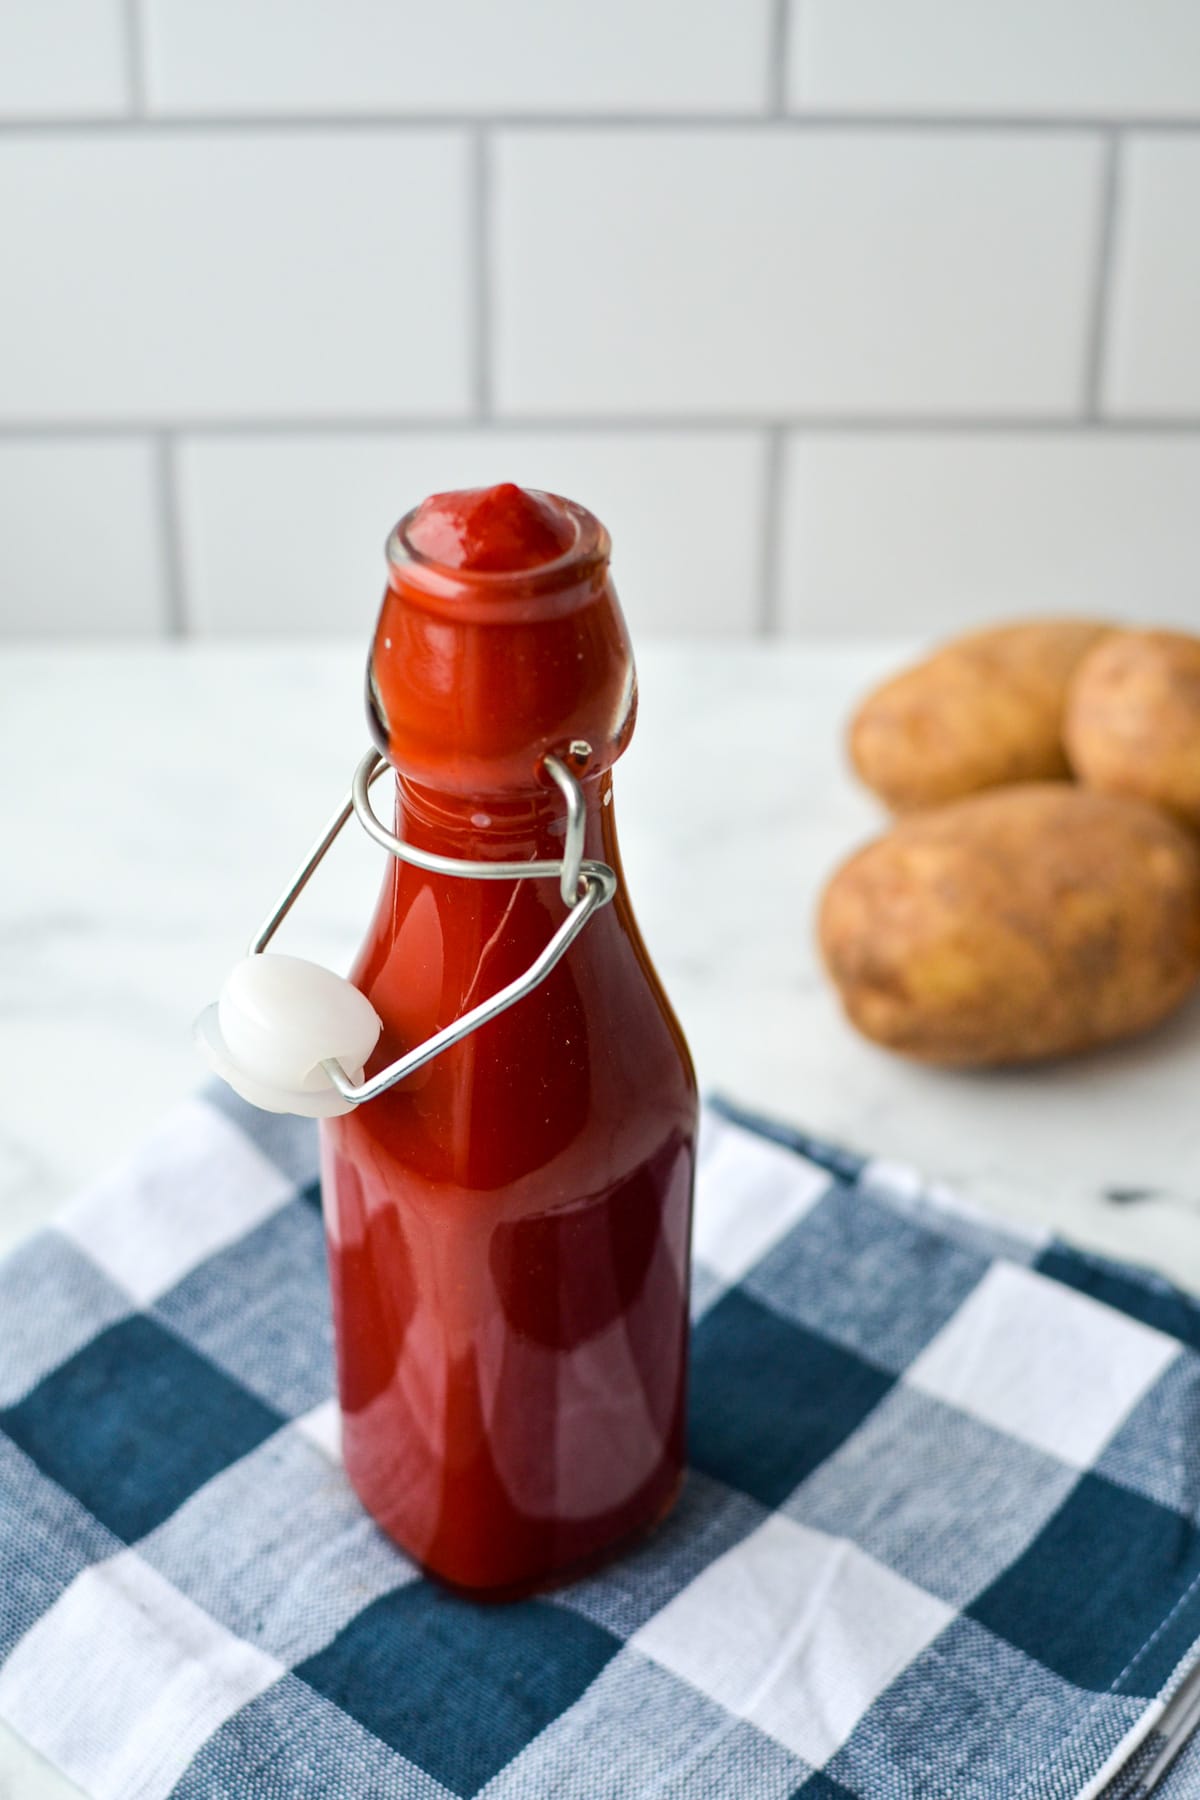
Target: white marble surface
column 154, row 801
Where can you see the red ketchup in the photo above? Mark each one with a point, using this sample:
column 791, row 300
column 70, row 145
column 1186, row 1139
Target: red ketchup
column 509, row 1228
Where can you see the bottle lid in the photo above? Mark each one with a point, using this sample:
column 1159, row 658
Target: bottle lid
column 279, row 1018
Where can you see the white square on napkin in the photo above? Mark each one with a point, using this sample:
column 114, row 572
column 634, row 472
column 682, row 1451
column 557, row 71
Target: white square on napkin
column 1046, row 1364
column 749, row 1193
column 796, row 1631
column 142, row 1678
column 196, row 1184
column 322, row 1426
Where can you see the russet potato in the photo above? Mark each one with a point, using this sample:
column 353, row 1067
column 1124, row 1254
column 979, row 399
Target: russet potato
column 1022, row 923
column 1133, row 719
column 982, row 711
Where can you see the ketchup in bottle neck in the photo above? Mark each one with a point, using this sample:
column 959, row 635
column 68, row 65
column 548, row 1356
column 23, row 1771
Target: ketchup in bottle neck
column 509, row 1228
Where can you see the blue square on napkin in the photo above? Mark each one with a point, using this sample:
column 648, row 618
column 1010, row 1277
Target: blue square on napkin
column 421, row 1668
column 134, row 1422
column 1108, row 1593
column 771, row 1399
column 822, row 1787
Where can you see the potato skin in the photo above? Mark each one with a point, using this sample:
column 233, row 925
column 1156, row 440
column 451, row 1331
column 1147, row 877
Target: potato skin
column 1018, row 924
column 1133, row 719
column 982, row 711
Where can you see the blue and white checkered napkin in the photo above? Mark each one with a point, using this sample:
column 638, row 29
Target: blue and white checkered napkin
column 940, row 1540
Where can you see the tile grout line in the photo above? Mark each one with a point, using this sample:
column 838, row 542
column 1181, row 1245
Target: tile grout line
column 479, row 263
column 781, row 26
column 612, row 424
column 135, row 60
column 1096, row 343
column 771, row 533
column 975, row 124
column 175, row 608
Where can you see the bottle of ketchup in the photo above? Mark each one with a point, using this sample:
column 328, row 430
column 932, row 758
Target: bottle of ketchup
column 509, row 1226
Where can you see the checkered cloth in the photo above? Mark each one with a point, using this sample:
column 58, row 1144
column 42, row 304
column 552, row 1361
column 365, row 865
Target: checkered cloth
column 940, row 1537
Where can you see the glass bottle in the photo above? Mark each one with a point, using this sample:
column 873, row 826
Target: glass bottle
column 509, row 1227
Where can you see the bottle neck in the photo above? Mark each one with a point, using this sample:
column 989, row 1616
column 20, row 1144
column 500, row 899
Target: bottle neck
column 474, row 673
column 524, row 826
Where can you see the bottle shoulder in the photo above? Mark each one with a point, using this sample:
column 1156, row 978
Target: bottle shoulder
column 588, row 1071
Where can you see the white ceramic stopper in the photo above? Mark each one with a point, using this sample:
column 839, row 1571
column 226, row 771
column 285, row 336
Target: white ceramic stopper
column 277, row 1020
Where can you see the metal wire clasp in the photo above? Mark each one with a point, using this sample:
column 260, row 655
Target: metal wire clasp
column 585, row 885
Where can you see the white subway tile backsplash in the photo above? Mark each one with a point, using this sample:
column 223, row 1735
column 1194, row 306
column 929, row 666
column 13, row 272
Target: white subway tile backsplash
column 79, row 539
column 407, row 56
column 1154, row 317
column 733, row 272
column 1103, row 58
column 286, row 534
column 936, row 533
column 62, row 58
column 152, row 277
column 345, row 254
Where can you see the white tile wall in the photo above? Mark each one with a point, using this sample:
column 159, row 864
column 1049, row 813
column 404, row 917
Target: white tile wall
column 80, row 549
column 693, row 273
column 407, row 56
column 936, row 532
column 62, row 56
column 847, row 315
column 287, row 534
column 1099, row 58
column 233, row 276
column 1154, row 340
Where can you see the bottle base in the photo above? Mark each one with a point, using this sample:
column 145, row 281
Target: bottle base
column 564, row 1575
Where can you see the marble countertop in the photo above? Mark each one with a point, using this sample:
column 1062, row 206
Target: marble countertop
column 154, row 801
